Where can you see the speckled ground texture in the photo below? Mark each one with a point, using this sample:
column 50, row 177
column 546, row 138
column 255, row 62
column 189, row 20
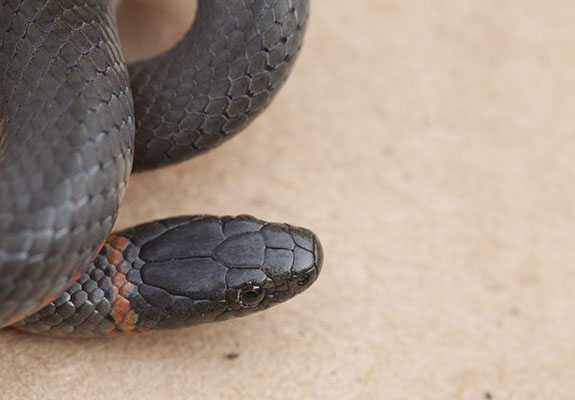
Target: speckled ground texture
column 430, row 145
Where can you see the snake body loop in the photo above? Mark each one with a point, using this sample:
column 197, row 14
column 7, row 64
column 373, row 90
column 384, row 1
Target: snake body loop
column 73, row 118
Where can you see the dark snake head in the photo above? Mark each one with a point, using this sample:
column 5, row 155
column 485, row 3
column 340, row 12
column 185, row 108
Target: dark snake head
column 207, row 269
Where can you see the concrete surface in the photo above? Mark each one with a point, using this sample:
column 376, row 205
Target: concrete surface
column 431, row 146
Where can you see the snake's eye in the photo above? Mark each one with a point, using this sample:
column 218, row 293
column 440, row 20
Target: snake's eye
column 251, row 295
column 303, row 280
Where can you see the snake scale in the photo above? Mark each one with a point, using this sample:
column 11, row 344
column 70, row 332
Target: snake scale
column 75, row 120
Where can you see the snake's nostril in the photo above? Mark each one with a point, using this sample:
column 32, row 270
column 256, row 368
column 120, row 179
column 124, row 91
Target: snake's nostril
column 303, row 280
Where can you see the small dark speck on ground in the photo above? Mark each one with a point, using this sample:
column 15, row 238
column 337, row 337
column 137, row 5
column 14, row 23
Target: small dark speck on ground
column 488, row 396
column 232, row 356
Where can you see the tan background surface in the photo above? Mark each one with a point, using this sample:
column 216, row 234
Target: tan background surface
column 431, row 146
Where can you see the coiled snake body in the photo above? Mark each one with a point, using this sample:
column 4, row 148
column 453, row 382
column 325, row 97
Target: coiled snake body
column 73, row 120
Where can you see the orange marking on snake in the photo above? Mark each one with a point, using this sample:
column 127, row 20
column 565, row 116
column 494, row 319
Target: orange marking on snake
column 16, row 319
column 75, row 278
column 118, row 210
column 121, row 243
column 119, row 280
column 127, row 290
column 115, row 257
column 125, row 318
column 122, row 306
column 101, row 246
column 55, row 297
column 131, row 317
column 21, row 317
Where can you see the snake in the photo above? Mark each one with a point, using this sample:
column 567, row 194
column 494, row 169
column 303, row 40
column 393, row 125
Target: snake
column 76, row 120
